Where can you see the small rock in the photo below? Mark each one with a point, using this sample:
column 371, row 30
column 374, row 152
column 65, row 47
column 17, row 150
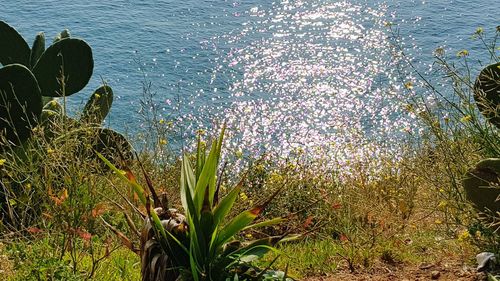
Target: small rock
column 435, row 274
column 485, row 260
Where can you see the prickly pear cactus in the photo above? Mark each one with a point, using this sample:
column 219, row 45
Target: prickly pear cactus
column 20, row 103
column 13, row 48
column 70, row 59
column 487, row 93
column 482, row 185
column 98, row 106
column 37, row 49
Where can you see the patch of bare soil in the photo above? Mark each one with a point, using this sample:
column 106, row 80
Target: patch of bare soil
column 442, row 271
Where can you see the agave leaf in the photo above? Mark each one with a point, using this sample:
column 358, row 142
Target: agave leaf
column 187, row 187
column 194, row 271
column 226, row 204
column 212, row 186
column 248, row 246
column 200, row 157
column 164, row 234
column 255, row 253
column 207, row 174
column 207, row 217
column 237, row 224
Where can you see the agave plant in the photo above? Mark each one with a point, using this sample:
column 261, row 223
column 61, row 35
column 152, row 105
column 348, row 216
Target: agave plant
column 201, row 243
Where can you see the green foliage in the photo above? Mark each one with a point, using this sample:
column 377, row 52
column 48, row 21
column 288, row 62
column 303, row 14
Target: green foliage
column 63, row 69
column 201, row 244
column 98, row 106
column 13, row 48
column 487, row 93
column 481, row 185
column 20, row 103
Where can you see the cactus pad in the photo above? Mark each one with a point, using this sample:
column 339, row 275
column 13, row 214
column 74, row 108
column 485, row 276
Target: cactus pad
column 20, row 103
column 487, row 93
column 37, row 49
column 71, row 57
column 13, row 48
column 482, row 185
column 98, row 106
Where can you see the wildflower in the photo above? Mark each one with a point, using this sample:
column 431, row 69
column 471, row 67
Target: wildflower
column 50, row 151
column 438, row 221
column 466, row 118
column 479, row 31
column 2, row 161
column 478, row 234
column 163, row 141
column 239, row 154
column 463, row 53
column 97, row 96
column 442, row 204
column 388, row 24
column 464, row 235
column 439, row 52
column 200, row 132
column 249, row 235
column 162, row 121
column 243, row 196
column 53, row 103
column 409, row 85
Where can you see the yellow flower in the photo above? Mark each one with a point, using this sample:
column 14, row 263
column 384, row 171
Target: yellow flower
column 162, row 121
column 479, row 30
column 2, row 161
column 464, row 235
column 463, row 53
column 243, row 196
column 97, row 96
column 409, row 85
column 50, row 151
column 163, row 141
column 239, row 154
column 249, row 235
column 466, row 118
column 442, row 204
column 438, row 221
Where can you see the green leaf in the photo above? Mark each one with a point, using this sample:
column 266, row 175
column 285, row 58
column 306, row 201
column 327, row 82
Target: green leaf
column 226, row 204
column 237, row 224
column 187, row 187
column 207, row 174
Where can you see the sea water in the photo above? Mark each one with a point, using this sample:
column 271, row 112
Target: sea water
column 290, row 76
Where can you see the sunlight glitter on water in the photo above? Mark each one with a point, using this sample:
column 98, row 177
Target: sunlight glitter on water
column 319, row 78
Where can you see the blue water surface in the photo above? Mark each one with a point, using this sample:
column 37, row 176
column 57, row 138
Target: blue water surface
column 284, row 74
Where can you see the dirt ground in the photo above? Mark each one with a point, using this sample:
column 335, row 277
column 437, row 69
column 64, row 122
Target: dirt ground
column 443, row 271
